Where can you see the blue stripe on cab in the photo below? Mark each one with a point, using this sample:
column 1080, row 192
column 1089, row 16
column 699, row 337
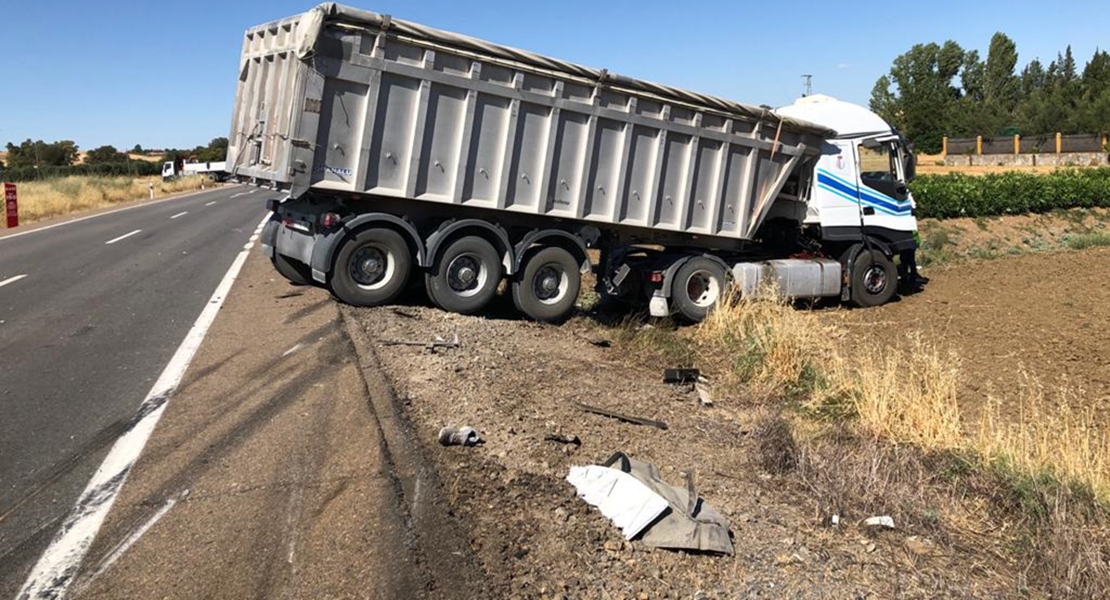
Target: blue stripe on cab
column 849, row 192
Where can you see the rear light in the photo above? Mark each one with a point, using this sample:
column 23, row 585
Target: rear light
column 330, row 220
column 657, row 277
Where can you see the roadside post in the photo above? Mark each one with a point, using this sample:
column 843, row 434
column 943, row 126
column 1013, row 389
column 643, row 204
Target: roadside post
column 152, row 190
column 11, row 204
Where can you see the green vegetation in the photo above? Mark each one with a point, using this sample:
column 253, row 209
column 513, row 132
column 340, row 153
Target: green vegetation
column 1009, row 193
column 133, row 168
column 36, row 160
column 1082, row 241
column 936, row 90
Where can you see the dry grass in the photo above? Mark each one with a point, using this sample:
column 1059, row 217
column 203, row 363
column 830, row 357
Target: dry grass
column 762, row 347
column 1054, row 432
column 1039, row 480
column 40, row 200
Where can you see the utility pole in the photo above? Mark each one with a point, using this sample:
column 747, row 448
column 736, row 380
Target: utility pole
column 809, row 84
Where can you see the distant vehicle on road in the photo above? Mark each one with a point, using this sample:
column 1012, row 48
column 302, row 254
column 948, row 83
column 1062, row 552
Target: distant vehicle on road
column 403, row 150
column 217, row 171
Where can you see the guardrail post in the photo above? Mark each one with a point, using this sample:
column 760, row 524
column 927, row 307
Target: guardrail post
column 979, row 145
column 944, row 147
column 1017, row 144
column 1059, row 142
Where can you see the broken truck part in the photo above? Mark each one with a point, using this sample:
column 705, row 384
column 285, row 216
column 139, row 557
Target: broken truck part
column 633, row 495
column 401, row 151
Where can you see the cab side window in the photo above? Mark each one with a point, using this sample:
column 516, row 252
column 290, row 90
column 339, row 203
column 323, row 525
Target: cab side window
column 878, row 171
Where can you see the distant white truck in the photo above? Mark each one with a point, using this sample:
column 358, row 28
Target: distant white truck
column 217, row 171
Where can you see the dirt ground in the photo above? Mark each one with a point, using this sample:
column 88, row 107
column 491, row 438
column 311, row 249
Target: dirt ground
column 994, row 237
column 1042, row 314
column 517, row 382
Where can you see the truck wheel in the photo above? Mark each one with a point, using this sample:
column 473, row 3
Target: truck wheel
column 465, row 276
column 698, row 285
column 548, row 285
column 292, row 269
column 371, row 268
column 874, row 279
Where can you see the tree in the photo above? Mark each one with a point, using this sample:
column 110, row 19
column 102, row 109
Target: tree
column 104, row 155
column 924, row 97
column 214, row 152
column 41, row 154
column 137, row 149
column 1001, row 88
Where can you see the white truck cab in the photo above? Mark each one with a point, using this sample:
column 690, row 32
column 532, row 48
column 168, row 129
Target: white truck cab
column 860, row 183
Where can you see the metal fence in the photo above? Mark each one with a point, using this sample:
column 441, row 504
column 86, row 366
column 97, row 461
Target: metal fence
column 1034, row 144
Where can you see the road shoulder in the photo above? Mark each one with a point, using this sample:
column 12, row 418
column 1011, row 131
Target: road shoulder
column 268, row 474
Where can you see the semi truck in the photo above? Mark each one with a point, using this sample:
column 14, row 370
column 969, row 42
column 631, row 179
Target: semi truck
column 400, row 152
column 217, row 171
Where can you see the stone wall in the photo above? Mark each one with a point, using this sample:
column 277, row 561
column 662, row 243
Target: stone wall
column 1068, row 159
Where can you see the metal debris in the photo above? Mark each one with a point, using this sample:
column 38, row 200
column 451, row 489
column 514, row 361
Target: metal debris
column 681, row 375
column 563, row 439
column 621, row 417
column 432, row 345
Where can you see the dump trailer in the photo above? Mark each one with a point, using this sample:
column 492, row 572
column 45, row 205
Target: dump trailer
column 399, row 152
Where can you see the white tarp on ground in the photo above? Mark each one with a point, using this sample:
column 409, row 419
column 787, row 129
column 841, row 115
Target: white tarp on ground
column 629, row 504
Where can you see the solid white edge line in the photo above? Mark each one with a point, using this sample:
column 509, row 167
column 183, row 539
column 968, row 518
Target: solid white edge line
column 109, row 212
column 180, row 214
column 12, row 279
column 211, row 203
column 122, row 237
column 60, row 562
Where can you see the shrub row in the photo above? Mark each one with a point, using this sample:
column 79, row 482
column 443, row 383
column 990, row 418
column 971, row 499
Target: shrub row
column 956, row 195
column 136, row 168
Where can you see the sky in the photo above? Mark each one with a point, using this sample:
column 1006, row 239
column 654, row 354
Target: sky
column 163, row 74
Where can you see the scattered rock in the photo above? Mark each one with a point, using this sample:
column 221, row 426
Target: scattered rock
column 885, row 522
column 920, row 545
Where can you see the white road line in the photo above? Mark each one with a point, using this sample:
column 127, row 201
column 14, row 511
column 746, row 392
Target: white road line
column 105, row 213
column 60, row 561
column 124, row 236
column 292, row 350
column 180, row 214
column 210, row 203
column 12, row 279
column 130, row 540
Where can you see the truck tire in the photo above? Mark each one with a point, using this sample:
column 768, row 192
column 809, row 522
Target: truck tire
column 699, row 284
column 371, row 268
column 292, row 269
column 465, row 276
column 548, row 285
column 874, row 279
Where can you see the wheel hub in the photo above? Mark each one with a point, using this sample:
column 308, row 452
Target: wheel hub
column 874, row 280
column 369, row 265
column 702, row 289
column 547, row 283
column 464, row 273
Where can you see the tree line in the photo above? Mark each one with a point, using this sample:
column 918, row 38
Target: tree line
column 38, row 159
column 936, row 90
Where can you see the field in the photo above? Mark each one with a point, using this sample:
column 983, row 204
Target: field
column 933, row 164
column 40, row 200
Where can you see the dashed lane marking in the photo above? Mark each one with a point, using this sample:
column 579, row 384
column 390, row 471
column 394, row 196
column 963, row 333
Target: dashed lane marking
column 123, row 237
column 12, row 279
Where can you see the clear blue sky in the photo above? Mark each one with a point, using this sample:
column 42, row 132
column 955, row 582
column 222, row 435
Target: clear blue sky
column 163, row 74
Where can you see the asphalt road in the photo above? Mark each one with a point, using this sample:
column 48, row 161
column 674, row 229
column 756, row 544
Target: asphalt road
column 90, row 313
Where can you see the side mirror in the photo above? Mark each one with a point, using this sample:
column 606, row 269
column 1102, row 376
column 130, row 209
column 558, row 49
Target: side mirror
column 909, row 165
